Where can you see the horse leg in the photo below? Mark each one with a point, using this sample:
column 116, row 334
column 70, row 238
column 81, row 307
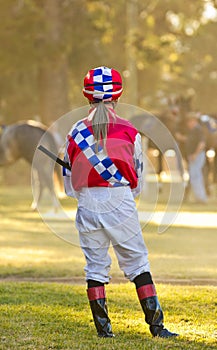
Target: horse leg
column 55, row 201
column 159, row 163
column 37, row 198
column 49, row 183
column 215, row 167
column 37, row 187
column 206, row 171
column 159, row 169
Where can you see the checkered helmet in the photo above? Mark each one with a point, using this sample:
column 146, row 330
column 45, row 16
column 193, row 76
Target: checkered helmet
column 102, row 83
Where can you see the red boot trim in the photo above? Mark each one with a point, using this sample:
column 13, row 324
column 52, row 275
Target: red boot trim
column 146, row 291
column 95, row 293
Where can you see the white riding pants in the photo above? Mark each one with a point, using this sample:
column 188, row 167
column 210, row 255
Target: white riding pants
column 196, row 177
column 109, row 216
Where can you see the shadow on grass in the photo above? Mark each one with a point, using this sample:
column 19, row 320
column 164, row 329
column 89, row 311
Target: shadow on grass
column 53, row 316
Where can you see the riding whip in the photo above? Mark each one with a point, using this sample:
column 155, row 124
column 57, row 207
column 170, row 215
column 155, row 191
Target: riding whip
column 54, row 157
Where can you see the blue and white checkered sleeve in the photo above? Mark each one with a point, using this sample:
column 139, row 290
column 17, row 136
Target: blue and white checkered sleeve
column 138, row 162
column 69, row 190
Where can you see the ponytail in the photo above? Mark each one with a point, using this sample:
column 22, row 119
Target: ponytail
column 100, row 122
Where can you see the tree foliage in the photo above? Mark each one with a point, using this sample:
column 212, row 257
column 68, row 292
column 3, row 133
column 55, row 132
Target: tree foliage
column 47, row 46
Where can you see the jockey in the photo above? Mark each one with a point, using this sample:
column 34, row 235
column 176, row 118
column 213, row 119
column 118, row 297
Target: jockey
column 105, row 155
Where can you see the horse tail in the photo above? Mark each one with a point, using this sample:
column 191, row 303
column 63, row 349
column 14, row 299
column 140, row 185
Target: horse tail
column 52, row 145
column 58, row 181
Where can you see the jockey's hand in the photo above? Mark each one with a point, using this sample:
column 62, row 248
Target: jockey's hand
column 192, row 157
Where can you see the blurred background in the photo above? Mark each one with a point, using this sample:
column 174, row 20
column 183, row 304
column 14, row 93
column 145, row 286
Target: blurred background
column 161, row 47
column 164, row 49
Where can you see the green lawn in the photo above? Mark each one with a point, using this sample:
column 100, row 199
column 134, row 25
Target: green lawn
column 56, row 316
column 30, row 249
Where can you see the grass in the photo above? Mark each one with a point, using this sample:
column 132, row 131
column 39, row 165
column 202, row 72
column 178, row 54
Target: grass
column 29, row 249
column 56, row 316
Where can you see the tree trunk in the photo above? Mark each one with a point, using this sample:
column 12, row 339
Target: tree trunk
column 132, row 76
column 53, row 71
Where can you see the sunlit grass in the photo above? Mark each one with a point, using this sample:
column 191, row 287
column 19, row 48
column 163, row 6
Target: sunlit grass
column 55, row 316
column 29, row 249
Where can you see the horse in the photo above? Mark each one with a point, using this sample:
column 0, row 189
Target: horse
column 158, row 132
column 20, row 140
column 209, row 125
column 181, row 106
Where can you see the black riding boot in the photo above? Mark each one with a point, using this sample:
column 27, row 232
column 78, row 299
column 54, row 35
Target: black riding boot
column 151, row 307
column 96, row 296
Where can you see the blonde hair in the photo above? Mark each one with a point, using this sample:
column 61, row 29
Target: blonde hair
column 100, row 122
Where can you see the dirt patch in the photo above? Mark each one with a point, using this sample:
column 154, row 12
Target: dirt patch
column 115, row 280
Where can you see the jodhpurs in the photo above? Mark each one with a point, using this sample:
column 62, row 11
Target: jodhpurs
column 108, row 216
